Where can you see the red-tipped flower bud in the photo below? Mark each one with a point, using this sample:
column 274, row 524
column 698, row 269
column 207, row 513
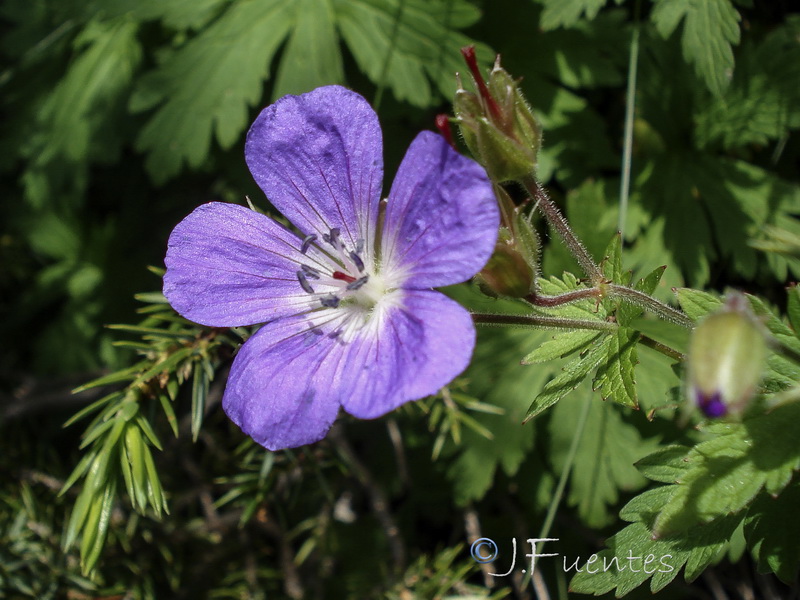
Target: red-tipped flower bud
column 497, row 124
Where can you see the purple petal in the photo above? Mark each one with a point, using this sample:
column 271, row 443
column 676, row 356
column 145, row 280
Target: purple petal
column 287, row 382
column 422, row 346
column 318, row 158
column 442, row 218
column 276, row 391
column 228, row 265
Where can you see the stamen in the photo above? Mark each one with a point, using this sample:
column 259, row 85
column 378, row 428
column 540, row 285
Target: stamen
column 357, row 261
column 333, row 237
column 331, row 301
column 358, row 283
column 310, row 272
column 360, row 246
column 304, row 283
column 343, row 277
column 307, row 241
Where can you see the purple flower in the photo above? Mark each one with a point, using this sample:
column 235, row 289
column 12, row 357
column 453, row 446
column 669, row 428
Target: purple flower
column 350, row 319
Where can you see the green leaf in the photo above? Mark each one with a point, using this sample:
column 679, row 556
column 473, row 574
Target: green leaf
column 604, row 463
column 615, row 376
column 205, row 88
column 697, row 304
column 775, row 325
column 632, row 546
column 405, row 43
column 612, row 260
column 127, row 374
column 312, row 57
column 726, row 472
column 566, row 13
column 154, row 492
column 97, row 79
column 147, row 430
column 168, row 364
column 179, row 14
column 133, row 457
column 96, row 528
column 208, row 85
column 772, row 528
column 199, row 394
column 665, row 465
column 169, row 412
column 570, row 378
column 793, row 307
column 561, row 345
column 710, row 28
column 763, row 102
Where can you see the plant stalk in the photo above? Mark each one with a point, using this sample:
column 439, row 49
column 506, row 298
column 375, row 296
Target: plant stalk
column 665, row 311
column 559, row 223
column 542, row 322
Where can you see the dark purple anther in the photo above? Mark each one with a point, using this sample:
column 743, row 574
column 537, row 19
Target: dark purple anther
column 310, row 272
column 330, row 301
column 357, row 261
column 307, row 241
column 358, row 283
column 304, row 283
column 333, row 237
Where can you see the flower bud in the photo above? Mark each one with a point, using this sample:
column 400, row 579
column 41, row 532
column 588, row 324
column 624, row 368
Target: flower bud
column 497, row 124
column 727, row 353
column 514, row 265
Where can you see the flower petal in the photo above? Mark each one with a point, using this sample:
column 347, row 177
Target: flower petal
column 442, row 218
column 228, row 265
column 422, row 345
column 287, row 382
column 318, row 158
column 276, row 391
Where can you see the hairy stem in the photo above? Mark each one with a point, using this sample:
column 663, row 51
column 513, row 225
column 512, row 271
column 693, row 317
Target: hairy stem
column 565, row 298
column 559, row 223
column 665, row 311
column 542, row 322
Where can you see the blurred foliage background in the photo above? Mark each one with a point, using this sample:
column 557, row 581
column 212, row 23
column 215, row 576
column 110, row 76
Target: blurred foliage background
column 121, row 116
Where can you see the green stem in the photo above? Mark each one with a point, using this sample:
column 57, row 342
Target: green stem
column 559, row 223
column 630, row 105
column 662, row 348
column 542, row 322
column 565, row 472
column 665, row 311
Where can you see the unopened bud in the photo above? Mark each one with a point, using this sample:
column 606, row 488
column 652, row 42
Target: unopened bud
column 497, row 123
column 727, row 353
column 514, row 265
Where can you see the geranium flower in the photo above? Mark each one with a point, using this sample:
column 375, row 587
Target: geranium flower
column 349, row 316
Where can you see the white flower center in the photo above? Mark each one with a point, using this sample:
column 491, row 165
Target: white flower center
column 347, row 292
